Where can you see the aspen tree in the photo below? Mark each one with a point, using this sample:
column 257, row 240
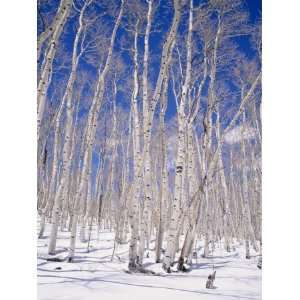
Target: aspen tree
column 227, row 217
column 91, row 131
column 173, row 227
column 191, row 151
column 67, row 149
column 134, row 257
column 164, row 176
column 146, row 136
column 249, row 232
column 44, row 81
column 149, row 114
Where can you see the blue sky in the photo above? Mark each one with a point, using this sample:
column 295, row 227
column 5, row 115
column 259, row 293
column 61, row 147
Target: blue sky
column 163, row 16
column 162, row 19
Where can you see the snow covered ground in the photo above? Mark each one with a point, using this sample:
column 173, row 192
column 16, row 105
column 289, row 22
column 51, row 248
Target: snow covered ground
column 93, row 276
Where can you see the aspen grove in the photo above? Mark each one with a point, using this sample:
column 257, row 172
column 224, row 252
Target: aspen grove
column 149, row 128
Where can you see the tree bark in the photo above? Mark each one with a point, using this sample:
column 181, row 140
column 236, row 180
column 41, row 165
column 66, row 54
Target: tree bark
column 67, row 145
column 91, row 131
column 44, row 82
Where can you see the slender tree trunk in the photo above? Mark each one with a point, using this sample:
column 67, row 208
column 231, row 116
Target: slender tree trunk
column 83, row 229
column 44, row 82
column 247, row 214
column 164, row 176
column 67, row 146
column 91, row 131
column 42, row 225
column 90, row 233
column 148, row 118
column 173, row 227
column 226, row 213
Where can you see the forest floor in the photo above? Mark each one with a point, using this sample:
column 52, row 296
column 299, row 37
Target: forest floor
column 93, row 276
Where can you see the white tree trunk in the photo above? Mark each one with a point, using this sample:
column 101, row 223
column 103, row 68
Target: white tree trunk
column 173, row 227
column 91, row 132
column 134, row 256
column 44, row 82
column 249, row 232
column 164, row 176
column 67, row 146
column 227, row 216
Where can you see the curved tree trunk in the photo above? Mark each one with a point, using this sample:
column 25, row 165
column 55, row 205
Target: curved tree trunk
column 45, row 78
column 67, row 145
column 91, row 132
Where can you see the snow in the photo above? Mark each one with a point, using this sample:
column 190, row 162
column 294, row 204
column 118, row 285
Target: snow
column 93, row 276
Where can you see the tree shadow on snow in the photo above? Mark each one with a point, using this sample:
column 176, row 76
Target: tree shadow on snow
column 225, row 256
column 148, row 264
column 86, row 281
column 77, row 270
column 209, row 265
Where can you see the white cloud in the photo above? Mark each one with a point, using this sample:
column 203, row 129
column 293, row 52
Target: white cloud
column 239, row 133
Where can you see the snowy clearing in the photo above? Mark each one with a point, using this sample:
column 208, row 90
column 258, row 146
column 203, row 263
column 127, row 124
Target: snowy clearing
column 93, row 276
